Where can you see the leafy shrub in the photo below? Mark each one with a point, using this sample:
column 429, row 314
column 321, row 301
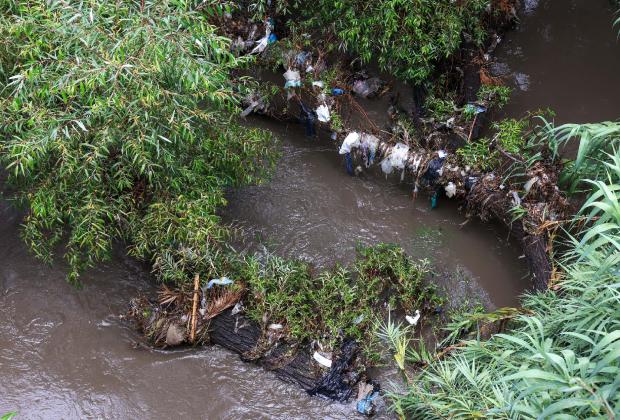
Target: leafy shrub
column 477, row 155
column 562, row 360
column 118, row 123
column 440, row 109
column 496, row 95
column 406, row 38
column 511, row 135
column 336, row 303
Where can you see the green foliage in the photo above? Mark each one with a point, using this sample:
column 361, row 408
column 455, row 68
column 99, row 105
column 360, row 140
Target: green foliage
column 595, row 142
column 336, row 303
column 118, row 123
column 406, row 38
column 440, row 109
column 478, row 155
column 496, row 95
column 563, row 361
column 511, row 135
column 8, row 416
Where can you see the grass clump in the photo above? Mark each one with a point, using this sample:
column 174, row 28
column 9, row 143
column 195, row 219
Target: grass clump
column 338, row 303
column 560, row 358
column 478, row 155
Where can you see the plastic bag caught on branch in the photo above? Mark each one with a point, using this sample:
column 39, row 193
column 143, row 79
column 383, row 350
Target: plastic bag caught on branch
column 396, row 159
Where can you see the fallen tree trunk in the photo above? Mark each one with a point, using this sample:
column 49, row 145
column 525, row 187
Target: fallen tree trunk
column 165, row 325
column 494, row 203
column 293, row 365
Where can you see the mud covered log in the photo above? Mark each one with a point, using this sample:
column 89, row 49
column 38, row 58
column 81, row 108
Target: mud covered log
column 487, row 201
column 293, row 365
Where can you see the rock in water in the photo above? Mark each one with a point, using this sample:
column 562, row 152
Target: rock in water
column 175, row 335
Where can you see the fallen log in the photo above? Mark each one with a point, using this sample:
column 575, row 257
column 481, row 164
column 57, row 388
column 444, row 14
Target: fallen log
column 291, row 364
column 233, row 331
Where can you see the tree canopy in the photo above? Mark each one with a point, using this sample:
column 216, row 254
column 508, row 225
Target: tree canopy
column 117, row 121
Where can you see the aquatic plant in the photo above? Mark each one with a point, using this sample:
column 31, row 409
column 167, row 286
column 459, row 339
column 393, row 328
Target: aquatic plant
column 497, row 95
column 338, row 303
column 118, row 123
column 562, row 359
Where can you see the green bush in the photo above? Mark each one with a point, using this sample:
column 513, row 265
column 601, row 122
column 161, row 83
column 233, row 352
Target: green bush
column 406, row 37
column 477, row 155
column 338, row 303
column 119, row 123
column 563, row 360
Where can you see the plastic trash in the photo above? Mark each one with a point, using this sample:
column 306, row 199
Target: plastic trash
column 435, row 170
column 369, row 145
column 292, row 77
column 368, row 87
column 413, row 320
column 470, row 181
column 318, row 84
column 434, row 200
column 237, row 308
column 272, row 38
column 302, row 57
column 253, row 105
column 366, row 406
column 275, row 326
column 337, row 92
column 450, row 190
column 224, row 281
column 350, row 142
column 529, row 184
column 262, row 43
column 348, row 160
column 322, row 360
column 308, row 118
column 322, row 113
column 396, row 159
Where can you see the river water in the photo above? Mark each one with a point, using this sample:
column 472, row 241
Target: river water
column 565, row 56
column 64, row 352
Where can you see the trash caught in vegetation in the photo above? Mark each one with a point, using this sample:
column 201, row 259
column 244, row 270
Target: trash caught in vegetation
column 322, row 360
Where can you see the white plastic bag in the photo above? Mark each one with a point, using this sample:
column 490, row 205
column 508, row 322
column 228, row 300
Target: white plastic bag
column 350, row 142
column 450, row 190
column 322, row 113
column 396, row 159
column 293, row 78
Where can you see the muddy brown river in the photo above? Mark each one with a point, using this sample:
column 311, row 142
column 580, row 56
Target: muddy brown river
column 64, row 352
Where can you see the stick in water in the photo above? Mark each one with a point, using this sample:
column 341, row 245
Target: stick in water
column 192, row 336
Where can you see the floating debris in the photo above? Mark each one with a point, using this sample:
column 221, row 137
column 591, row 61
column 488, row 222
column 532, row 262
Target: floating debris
column 322, row 360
